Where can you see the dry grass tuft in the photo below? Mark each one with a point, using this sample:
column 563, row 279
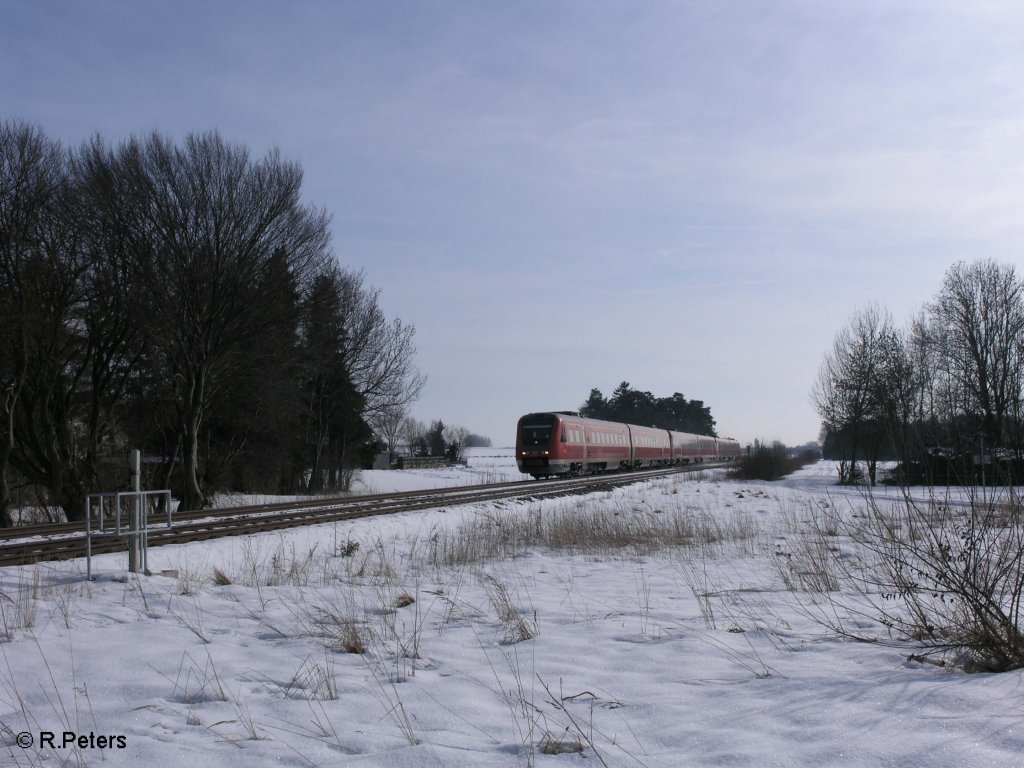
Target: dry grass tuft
column 338, row 629
column 517, row 627
column 584, row 527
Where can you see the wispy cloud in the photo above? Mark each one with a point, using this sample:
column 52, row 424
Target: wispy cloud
column 561, row 196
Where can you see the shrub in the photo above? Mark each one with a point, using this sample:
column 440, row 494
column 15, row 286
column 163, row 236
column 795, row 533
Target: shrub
column 770, row 462
column 949, row 576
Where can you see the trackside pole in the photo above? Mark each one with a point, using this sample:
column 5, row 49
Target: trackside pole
column 136, row 502
column 136, row 545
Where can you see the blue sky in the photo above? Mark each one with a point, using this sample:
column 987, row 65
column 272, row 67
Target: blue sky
column 689, row 196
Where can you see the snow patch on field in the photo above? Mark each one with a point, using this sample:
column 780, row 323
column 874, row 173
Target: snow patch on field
column 236, row 652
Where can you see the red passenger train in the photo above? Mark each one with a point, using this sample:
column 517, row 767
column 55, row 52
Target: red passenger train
column 565, row 443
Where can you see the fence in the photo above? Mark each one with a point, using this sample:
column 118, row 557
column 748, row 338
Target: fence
column 136, row 523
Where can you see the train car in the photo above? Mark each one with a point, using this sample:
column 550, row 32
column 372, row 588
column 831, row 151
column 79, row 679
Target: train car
column 565, row 443
column 685, row 447
column 651, row 447
column 728, row 449
column 607, row 446
column 707, row 449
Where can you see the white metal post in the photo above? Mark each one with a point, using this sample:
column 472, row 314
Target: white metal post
column 135, row 544
column 88, row 536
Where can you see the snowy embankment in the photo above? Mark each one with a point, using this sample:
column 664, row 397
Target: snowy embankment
column 649, row 626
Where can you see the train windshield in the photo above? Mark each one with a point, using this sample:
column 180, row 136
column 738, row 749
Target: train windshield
column 536, row 434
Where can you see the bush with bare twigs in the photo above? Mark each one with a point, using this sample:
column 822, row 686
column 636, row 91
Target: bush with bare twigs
column 949, row 576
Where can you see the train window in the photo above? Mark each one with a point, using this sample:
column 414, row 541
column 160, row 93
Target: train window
column 563, row 434
column 536, row 434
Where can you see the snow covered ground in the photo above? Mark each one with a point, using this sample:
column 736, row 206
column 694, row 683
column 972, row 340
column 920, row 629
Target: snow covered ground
column 480, row 646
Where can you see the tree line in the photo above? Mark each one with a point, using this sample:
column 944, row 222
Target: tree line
column 180, row 298
column 417, row 438
column 644, row 409
column 935, row 394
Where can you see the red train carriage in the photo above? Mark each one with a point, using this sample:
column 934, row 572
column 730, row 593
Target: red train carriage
column 708, row 450
column 565, row 443
column 651, row 447
column 728, row 449
column 685, row 447
column 606, row 446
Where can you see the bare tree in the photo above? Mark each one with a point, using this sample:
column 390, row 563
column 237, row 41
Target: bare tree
column 333, row 409
column 378, row 353
column 55, row 428
column 455, row 438
column 77, row 337
column 387, row 423
column 30, row 178
column 414, row 433
column 214, row 222
column 854, row 392
column 143, row 287
column 977, row 337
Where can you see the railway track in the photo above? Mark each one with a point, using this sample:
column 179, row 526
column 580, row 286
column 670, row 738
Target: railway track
column 32, row 544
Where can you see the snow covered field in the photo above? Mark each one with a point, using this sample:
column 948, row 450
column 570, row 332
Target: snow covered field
column 482, row 643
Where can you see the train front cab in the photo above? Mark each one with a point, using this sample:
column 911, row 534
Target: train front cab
column 568, row 444
column 549, row 444
column 535, row 435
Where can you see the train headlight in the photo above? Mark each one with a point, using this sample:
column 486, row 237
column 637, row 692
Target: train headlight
column 546, row 452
